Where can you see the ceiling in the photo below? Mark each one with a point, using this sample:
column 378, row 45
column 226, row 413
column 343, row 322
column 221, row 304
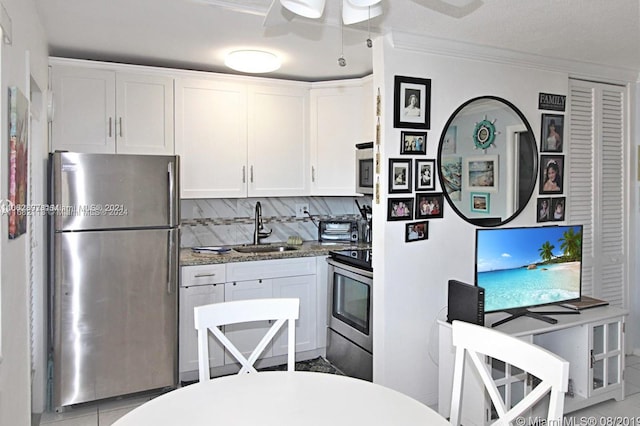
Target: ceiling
column 195, row 34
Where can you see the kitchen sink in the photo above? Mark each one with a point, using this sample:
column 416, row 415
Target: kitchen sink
column 264, row 248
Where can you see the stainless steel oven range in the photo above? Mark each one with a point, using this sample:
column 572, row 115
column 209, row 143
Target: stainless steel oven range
column 349, row 335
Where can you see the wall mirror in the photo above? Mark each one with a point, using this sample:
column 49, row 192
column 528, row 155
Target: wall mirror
column 488, row 161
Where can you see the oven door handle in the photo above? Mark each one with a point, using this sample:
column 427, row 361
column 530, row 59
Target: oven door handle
column 353, row 269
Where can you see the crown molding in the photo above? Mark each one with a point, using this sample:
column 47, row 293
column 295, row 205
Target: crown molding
column 452, row 48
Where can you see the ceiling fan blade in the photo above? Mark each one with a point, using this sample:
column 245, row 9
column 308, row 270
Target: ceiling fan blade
column 352, row 14
column 453, row 8
column 233, row 6
column 277, row 14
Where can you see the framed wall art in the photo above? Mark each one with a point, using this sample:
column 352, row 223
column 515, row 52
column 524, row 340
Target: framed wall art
column 412, row 102
column 425, row 175
column 429, row 205
column 552, row 133
column 480, row 202
column 481, row 173
column 399, row 175
column 558, row 208
column 551, row 174
column 416, row 231
column 451, row 174
column 543, row 210
column 18, row 160
column 412, row 143
column 399, row 208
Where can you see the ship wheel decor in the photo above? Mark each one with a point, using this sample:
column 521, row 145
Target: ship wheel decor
column 484, row 134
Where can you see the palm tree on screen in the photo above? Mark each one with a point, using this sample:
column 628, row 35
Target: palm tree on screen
column 571, row 244
column 546, row 251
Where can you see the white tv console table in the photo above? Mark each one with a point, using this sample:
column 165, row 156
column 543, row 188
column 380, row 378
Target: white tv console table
column 592, row 342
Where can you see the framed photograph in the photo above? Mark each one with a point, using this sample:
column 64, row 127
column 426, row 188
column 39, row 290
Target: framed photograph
column 412, row 103
column 551, row 173
column 416, row 231
column 429, row 205
column 425, row 175
column 552, row 133
column 543, row 209
column 449, row 140
column 399, row 209
column 481, row 173
column 451, row 175
column 412, row 143
column 558, row 208
column 480, row 202
column 399, row 175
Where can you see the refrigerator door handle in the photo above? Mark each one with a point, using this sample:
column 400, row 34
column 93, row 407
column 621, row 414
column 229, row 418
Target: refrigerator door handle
column 170, row 170
column 171, row 254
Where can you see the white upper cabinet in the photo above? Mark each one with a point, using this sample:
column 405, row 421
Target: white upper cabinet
column 278, row 141
column 338, row 113
column 144, row 110
column 211, row 138
column 103, row 110
column 239, row 140
column 84, row 103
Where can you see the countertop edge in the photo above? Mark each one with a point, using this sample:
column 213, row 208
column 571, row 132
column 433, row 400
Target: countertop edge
column 307, row 249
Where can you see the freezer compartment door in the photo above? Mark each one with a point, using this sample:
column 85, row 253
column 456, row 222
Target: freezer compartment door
column 114, row 313
column 106, row 191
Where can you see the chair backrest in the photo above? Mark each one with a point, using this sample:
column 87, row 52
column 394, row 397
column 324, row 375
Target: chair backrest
column 478, row 342
column 210, row 317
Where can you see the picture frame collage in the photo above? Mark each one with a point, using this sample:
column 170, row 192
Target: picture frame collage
column 552, row 159
column 412, row 111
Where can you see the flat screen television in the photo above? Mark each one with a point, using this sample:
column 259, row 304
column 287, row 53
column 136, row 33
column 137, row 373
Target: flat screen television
column 520, row 268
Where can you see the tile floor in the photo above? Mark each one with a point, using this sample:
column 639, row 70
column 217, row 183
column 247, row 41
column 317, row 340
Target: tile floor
column 104, row 414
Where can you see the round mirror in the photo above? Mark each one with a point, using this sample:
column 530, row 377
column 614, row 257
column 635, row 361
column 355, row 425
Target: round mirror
column 488, row 161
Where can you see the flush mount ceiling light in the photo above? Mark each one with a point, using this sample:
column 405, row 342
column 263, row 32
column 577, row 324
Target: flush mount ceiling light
column 252, row 61
column 353, row 11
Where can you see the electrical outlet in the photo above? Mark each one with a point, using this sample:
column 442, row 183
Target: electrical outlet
column 300, row 210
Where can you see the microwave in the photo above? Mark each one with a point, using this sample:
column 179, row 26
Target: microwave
column 364, row 168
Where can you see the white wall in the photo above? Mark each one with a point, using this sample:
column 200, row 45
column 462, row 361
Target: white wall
column 411, row 279
column 28, row 47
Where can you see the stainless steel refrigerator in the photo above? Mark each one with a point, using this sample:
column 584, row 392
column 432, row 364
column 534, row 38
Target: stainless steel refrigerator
column 114, row 243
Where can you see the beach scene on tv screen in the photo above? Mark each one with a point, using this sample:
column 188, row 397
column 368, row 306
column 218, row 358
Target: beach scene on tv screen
column 523, row 267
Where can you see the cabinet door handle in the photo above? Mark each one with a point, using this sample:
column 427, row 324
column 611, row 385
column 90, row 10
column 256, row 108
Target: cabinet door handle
column 313, row 174
column 120, row 119
column 110, row 126
column 212, row 274
column 251, row 174
column 592, row 358
column 244, row 174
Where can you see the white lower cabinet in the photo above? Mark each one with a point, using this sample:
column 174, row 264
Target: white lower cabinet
column 200, row 285
column 246, row 336
column 273, row 278
column 278, row 278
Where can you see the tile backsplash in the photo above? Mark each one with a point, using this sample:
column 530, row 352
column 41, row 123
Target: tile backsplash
column 230, row 221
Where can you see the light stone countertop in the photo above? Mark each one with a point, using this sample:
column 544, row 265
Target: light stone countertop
column 307, row 249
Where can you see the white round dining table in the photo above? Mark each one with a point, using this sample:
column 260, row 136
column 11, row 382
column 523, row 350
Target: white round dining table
column 282, row 398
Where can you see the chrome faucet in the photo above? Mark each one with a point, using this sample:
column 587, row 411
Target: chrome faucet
column 258, row 231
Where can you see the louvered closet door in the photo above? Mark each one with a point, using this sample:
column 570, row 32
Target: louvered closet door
column 597, row 193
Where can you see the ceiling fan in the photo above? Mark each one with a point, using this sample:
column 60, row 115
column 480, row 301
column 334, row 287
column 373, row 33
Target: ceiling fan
column 353, row 11
column 277, row 12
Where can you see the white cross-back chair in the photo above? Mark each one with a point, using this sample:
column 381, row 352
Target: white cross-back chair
column 210, row 317
column 477, row 342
